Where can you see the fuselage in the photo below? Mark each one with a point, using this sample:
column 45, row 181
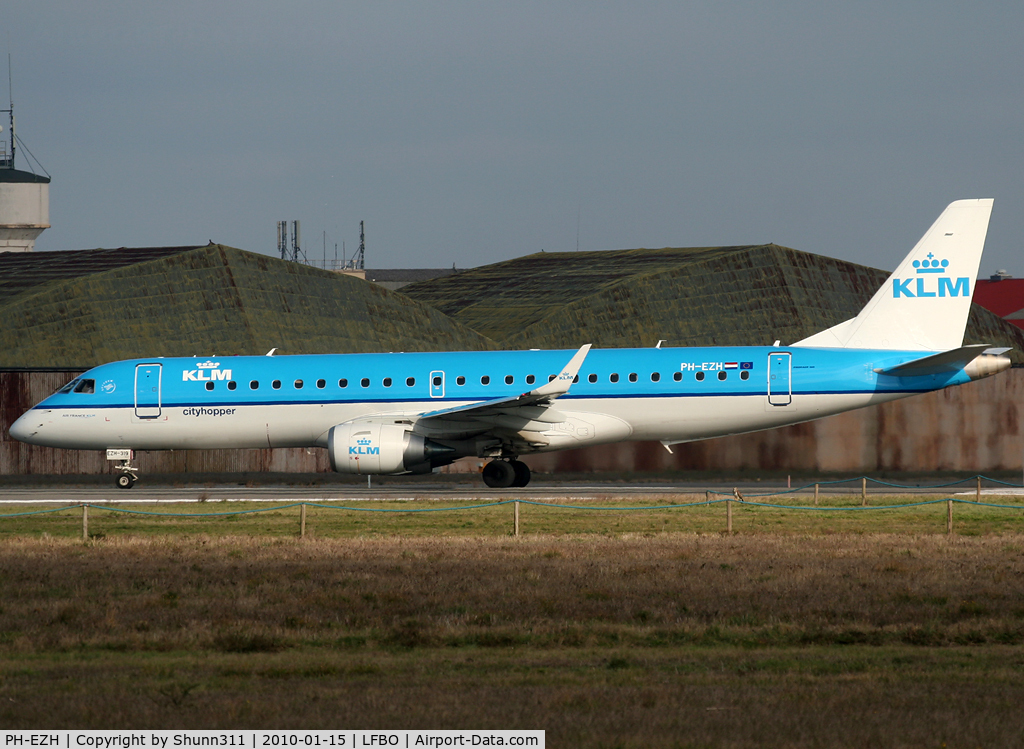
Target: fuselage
column 670, row 394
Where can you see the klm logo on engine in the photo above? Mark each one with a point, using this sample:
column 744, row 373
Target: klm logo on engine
column 362, row 447
column 205, row 372
column 930, row 281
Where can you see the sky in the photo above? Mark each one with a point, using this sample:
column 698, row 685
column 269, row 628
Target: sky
column 467, row 133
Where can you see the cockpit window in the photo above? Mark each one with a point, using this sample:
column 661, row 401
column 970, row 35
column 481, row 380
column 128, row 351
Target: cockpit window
column 86, row 386
column 69, row 387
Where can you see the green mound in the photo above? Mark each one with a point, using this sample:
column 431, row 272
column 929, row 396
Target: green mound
column 746, row 295
column 215, row 300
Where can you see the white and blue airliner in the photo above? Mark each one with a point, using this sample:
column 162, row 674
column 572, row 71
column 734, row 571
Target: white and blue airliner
column 414, row 412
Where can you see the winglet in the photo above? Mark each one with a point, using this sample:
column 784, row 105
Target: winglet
column 560, row 385
column 539, row 396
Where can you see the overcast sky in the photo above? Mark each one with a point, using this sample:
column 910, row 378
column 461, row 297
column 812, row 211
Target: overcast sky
column 472, row 132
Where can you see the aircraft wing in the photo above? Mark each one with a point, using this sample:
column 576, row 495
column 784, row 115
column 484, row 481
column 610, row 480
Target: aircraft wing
column 529, row 406
column 947, row 361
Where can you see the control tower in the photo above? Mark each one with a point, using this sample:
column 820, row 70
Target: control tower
column 24, row 197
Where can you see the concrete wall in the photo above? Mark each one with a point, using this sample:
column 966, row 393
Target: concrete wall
column 975, row 427
column 24, row 213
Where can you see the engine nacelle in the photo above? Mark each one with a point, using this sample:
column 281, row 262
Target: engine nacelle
column 375, row 448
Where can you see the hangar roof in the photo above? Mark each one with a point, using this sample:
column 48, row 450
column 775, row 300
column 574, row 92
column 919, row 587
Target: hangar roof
column 23, row 270
column 742, row 295
column 212, row 300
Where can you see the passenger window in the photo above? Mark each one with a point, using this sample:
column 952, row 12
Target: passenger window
column 321, row 384
column 575, row 379
column 254, row 384
column 530, row 379
column 387, row 382
column 365, row 382
column 343, row 383
column 86, row 386
column 592, row 378
column 209, row 386
column 655, row 376
column 232, row 384
column 410, row 381
column 632, row 376
column 485, row 380
column 509, row 379
column 460, row 380
column 723, row 374
column 551, row 377
column 677, row 376
column 276, row 384
column 744, row 375
column 699, row 376
column 298, row 384
column 437, row 381
column 613, row 377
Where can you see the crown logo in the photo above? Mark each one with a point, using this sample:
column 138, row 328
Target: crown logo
column 931, row 265
column 363, row 442
column 208, row 365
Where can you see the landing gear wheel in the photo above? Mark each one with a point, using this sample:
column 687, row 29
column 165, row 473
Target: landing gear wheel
column 522, row 473
column 125, row 481
column 499, row 474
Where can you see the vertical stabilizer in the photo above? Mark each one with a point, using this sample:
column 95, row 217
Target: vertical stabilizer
column 924, row 304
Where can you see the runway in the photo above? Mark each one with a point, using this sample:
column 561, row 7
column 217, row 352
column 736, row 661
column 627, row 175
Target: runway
column 670, row 492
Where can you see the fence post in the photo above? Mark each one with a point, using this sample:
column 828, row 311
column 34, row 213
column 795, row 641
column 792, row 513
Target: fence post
column 815, row 495
column 728, row 508
column 949, row 517
column 864, row 491
column 302, row 520
column 85, row 522
column 977, row 494
column 516, row 503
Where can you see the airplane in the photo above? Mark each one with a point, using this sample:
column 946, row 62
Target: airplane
column 410, row 413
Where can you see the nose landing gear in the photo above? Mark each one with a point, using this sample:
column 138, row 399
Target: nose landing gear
column 127, row 473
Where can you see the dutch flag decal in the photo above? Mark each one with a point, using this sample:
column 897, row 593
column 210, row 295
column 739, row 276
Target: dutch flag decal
column 732, row 365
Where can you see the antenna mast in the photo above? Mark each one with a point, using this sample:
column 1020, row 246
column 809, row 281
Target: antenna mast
column 7, row 157
column 360, row 263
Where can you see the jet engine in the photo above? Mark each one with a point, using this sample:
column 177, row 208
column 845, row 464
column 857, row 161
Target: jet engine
column 375, row 448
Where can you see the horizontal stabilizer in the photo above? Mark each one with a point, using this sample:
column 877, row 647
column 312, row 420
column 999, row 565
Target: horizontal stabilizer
column 948, row 361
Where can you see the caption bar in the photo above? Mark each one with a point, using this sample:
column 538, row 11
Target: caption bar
column 265, row 739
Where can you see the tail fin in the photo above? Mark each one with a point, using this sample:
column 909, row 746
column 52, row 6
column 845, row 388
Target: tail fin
column 924, row 304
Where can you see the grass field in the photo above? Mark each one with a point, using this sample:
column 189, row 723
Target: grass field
column 605, row 628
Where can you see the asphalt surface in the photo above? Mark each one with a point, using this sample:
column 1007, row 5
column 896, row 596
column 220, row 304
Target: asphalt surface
column 143, row 492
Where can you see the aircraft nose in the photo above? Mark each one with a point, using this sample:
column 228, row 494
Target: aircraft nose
column 25, row 428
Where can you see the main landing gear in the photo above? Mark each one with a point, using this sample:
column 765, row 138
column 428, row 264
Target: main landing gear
column 502, row 474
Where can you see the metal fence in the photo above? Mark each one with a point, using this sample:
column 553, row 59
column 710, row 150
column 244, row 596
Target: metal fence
column 731, row 499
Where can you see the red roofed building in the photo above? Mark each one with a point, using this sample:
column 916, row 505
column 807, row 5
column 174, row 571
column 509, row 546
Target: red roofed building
column 1003, row 295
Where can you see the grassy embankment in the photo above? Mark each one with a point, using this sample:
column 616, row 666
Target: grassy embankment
column 606, row 629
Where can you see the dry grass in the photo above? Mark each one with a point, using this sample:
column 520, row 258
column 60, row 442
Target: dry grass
column 635, row 640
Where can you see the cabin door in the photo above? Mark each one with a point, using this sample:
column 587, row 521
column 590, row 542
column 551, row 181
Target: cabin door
column 147, row 390
column 780, row 387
